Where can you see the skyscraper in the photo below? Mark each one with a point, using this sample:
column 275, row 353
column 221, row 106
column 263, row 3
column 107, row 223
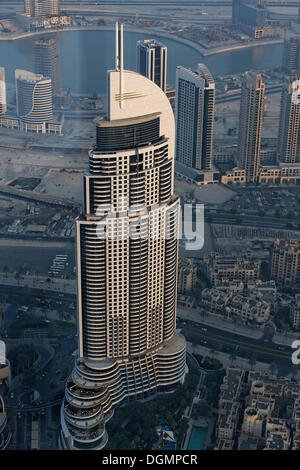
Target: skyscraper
column 195, row 108
column 41, row 8
column 34, row 99
column 235, row 7
column 152, row 61
column 47, row 59
column 251, row 116
column 291, row 56
column 126, row 266
column 3, row 105
column 289, row 122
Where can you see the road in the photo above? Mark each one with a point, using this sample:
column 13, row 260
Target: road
column 231, row 343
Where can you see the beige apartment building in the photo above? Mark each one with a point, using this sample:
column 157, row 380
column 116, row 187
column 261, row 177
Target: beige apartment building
column 285, row 262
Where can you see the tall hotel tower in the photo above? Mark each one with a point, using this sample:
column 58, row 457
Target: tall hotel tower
column 289, row 122
column 195, row 108
column 251, row 116
column 152, row 61
column 3, row 105
column 126, row 262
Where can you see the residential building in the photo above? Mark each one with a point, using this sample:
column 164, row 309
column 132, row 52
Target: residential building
column 34, row 105
column 34, row 98
column 3, row 105
column 289, row 122
column 220, row 268
column 195, row 108
column 291, row 56
column 251, row 115
column 42, row 8
column 152, row 61
column 285, row 262
column 187, row 276
column 295, row 311
column 47, row 61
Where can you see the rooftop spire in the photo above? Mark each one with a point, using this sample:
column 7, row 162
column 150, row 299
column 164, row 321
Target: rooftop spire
column 119, row 62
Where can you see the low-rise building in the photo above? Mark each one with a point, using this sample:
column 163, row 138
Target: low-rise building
column 187, row 275
column 220, row 268
column 285, row 262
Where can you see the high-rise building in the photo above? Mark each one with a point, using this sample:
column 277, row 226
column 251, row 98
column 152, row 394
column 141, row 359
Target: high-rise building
column 3, row 105
column 195, row 107
column 235, row 6
column 5, row 432
column 291, row 56
column 251, row 17
column 251, row 116
column 34, row 99
column 285, row 262
column 42, row 8
column 128, row 346
column 46, row 55
column 289, row 122
column 152, row 61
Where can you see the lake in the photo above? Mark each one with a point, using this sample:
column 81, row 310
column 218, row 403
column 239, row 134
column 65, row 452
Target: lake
column 87, row 55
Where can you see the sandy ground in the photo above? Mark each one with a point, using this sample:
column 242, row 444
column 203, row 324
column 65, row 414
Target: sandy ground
column 66, row 184
column 209, row 194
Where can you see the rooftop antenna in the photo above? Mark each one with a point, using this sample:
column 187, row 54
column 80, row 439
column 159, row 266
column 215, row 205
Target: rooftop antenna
column 119, row 58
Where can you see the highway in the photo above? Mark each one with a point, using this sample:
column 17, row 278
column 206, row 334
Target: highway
column 251, row 221
column 241, row 346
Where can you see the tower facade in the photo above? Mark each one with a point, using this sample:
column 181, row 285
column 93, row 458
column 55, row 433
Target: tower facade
column 42, row 8
column 46, row 58
column 126, row 262
column 3, row 105
column 195, row 108
column 291, row 56
column 289, row 122
column 251, row 116
column 152, row 61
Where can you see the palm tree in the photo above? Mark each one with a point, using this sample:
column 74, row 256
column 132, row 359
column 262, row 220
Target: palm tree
column 273, row 368
column 252, row 361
